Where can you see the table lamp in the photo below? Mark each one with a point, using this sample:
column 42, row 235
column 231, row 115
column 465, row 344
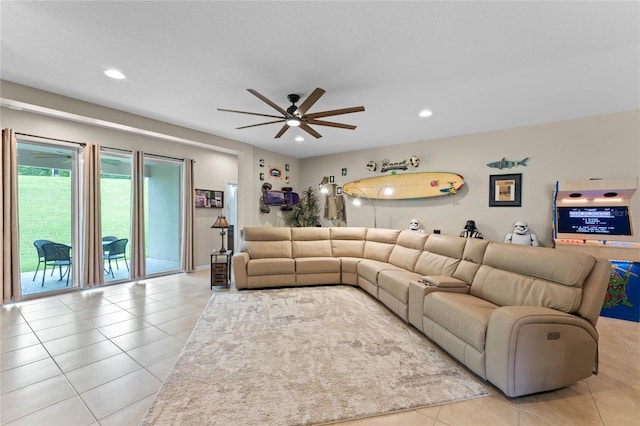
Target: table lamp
column 221, row 222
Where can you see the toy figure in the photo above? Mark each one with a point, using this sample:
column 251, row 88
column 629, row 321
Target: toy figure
column 522, row 235
column 470, row 230
column 414, row 225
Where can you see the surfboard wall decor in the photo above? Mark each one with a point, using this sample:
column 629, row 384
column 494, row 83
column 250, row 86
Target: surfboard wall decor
column 406, row 186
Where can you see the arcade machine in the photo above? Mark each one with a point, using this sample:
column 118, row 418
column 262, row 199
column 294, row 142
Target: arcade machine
column 594, row 217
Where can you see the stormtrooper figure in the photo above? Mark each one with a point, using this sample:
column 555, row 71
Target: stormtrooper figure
column 414, row 225
column 522, row 235
column 470, row 230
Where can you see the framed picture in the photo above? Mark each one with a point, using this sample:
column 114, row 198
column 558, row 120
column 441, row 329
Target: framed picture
column 339, row 190
column 205, row 198
column 505, row 190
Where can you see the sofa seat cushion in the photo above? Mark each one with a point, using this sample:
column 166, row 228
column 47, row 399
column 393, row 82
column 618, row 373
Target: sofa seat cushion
column 271, row 266
column 396, row 283
column 464, row 315
column 369, row 269
column 317, row 265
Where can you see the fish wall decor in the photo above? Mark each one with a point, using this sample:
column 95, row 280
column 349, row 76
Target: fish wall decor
column 507, row 164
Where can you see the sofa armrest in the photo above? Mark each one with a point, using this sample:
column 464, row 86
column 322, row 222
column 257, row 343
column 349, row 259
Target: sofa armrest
column 519, row 338
column 442, row 281
column 427, row 284
column 240, row 261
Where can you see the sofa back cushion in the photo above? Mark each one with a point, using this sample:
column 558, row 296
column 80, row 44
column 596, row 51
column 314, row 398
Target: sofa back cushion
column 532, row 276
column 267, row 242
column 408, row 249
column 441, row 255
column 347, row 242
column 560, row 266
column 471, row 259
column 310, row 242
column 379, row 243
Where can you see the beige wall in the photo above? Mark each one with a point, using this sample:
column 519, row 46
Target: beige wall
column 597, row 147
column 218, row 160
column 603, row 146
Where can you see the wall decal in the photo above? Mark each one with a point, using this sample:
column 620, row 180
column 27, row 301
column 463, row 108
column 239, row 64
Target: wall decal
column 507, row 164
column 387, row 165
column 275, row 172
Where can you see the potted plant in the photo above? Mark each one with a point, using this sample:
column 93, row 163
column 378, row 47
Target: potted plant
column 306, row 212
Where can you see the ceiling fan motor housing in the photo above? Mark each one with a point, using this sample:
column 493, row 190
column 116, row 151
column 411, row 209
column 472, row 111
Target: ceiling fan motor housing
column 293, row 98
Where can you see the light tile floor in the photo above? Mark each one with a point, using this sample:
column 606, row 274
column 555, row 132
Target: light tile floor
column 99, row 356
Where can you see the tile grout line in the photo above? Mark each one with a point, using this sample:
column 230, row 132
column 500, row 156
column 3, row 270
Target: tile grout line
column 61, row 371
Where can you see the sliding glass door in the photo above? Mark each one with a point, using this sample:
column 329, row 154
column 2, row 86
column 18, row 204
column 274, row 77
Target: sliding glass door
column 115, row 196
column 162, row 195
column 47, row 215
column 49, row 199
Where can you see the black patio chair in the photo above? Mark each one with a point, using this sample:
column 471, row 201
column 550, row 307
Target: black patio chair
column 57, row 255
column 109, row 238
column 38, row 245
column 114, row 251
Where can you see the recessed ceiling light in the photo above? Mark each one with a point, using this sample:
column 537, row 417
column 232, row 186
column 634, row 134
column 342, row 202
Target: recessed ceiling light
column 299, row 139
column 113, row 73
column 425, row 113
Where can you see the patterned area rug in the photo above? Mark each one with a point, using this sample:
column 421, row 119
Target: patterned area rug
column 303, row 356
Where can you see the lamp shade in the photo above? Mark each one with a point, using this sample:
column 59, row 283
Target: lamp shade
column 221, row 222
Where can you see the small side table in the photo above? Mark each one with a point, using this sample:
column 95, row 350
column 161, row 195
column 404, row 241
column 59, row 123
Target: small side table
column 221, row 268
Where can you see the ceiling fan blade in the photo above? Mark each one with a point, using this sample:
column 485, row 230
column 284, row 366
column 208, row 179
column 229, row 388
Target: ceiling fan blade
column 268, row 102
column 331, row 124
column 250, row 113
column 281, row 132
column 335, row 112
column 308, row 129
column 308, row 103
column 260, row 124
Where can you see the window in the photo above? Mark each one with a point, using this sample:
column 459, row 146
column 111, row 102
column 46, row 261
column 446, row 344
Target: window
column 47, row 182
column 162, row 195
column 115, row 205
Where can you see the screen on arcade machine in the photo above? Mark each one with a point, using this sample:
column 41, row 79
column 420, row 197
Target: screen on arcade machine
column 594, row 220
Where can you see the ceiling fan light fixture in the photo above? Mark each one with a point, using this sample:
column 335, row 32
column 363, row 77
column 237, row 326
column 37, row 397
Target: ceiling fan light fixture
column 293, row 122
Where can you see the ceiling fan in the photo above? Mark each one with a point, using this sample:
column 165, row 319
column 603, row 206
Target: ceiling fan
column 296, row 116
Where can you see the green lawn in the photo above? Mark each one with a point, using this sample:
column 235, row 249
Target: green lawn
column 44, row 211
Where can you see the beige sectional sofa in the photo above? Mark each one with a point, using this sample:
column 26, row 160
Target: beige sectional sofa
column 522, row 318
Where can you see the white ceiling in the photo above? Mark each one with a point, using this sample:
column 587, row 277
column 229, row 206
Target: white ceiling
column 479, row 66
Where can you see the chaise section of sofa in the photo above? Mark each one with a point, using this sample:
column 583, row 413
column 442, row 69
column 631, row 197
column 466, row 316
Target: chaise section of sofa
column 519, row 326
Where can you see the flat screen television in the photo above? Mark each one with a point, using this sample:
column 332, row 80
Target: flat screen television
column 613, row 220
